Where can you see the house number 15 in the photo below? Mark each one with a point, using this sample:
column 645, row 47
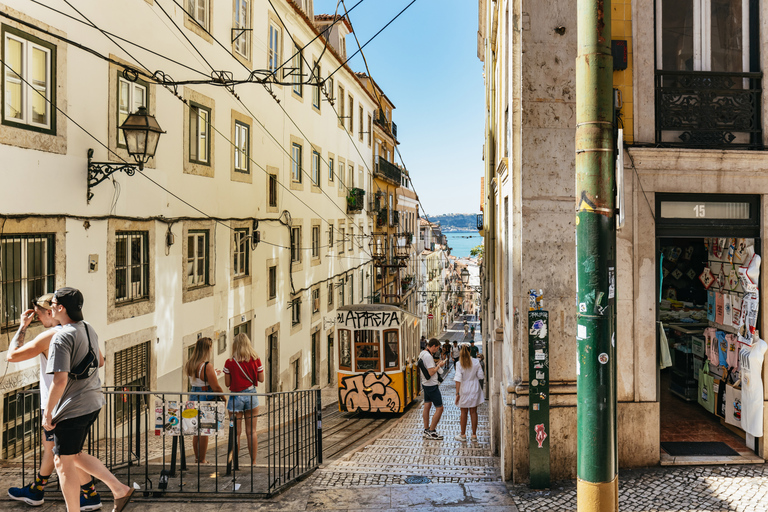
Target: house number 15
column 698, row 210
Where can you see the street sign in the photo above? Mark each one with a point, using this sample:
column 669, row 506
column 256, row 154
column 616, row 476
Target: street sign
column 538, row 398
column 430, row 316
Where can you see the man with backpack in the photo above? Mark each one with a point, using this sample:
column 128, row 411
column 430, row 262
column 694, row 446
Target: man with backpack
column 429, row 372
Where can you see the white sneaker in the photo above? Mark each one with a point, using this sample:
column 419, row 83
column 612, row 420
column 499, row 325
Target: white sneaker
column 461, row 438
column 473, row 439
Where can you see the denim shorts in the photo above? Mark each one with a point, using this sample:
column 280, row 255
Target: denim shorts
column 201, row 398
column 243, row 402
column 432, row 394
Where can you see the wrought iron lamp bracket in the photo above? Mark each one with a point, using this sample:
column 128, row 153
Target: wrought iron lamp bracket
column 100, row 171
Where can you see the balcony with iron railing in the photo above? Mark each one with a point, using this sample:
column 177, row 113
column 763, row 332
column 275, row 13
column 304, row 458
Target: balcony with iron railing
column 706, row 109
column 388, row 172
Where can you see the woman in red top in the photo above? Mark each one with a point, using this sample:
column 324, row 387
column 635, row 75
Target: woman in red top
column 242, row 373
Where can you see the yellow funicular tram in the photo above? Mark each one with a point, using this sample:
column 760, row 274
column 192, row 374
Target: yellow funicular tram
column 378, row 347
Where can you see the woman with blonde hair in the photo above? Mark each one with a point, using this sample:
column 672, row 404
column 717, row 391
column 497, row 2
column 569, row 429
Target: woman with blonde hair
column 242, row 373
column 469, row 394
column 202, row 377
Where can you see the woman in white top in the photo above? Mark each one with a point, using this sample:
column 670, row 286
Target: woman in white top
column 202, row 377
column 469, row 394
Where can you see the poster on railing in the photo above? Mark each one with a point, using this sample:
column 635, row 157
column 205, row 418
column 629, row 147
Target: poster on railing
column 172, row 418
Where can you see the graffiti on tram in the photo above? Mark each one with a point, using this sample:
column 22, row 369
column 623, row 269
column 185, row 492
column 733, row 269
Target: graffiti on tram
column 362, row 319
column 369, row 392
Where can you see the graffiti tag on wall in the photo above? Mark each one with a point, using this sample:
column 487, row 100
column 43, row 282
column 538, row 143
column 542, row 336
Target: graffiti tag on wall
column 361, row 319
column 369, row 392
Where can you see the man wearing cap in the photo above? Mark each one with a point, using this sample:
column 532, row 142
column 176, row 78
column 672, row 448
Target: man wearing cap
column 34, row 494
column 75, row 399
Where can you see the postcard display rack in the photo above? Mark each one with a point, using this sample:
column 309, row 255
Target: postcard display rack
column 707, row 341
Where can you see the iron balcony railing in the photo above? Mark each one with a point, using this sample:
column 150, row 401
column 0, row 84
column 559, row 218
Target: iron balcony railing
column 355, row 200
column 704, row 109
column 388, row 171
column 144, row 437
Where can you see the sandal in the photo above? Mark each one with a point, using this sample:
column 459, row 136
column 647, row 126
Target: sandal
column 120, row 503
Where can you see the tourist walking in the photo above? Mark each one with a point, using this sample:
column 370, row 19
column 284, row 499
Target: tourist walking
column 428, row 371
column 202, row 378
column 455, row 352
column 242, row 373
column 469, row 393
column 75, row 400
column 34, row 494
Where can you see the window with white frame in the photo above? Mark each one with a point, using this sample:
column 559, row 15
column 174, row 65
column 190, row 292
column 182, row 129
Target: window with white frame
column 272, row 282
column 296, row 151
column 316, row 85
column 351, row 176
column 29, row 81
column 340, row 286
column 315, row 241
column 315, row 168
column 242, row 28
column 198, row 10
column 296, row 311
column 341, row 240
column 197, row 258
column 274, row 53
column 341, row 106
column 370, row 128
column 26, row 272
column 131, row 266
column 330, row 295
column 296, row 244
column 330, row 169
column 132, row 96
column 351, row 238
column 315, row 300
column 330, row 236
column 272, row 192
column 242, row 145
column 297, row 68
column 340, row 174
column 240, row 256
column 199, row 136
column 703, row 35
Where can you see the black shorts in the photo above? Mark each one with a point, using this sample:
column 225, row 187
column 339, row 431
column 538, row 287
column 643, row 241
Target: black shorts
column 432, row 394
column 69, row 435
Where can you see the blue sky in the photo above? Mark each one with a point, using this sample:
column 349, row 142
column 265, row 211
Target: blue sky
column 426, row 63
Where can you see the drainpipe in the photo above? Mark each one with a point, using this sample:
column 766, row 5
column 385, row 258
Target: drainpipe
column 597, row 459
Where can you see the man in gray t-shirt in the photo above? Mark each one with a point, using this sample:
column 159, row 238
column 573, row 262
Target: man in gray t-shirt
column 73, row 405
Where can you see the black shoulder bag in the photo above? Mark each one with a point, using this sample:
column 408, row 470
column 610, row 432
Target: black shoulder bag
column 89, row 364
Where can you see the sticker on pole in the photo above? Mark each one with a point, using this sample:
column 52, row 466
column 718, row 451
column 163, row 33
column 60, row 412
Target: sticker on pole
column 603, row 358
column 581, row 332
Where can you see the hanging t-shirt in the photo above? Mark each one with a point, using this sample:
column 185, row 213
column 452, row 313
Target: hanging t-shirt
column 711, row 306
column 711, row 344
column 748, row 319
column 727, row 311
column 722, row 349
column 750, row 367
column 718, row 307
column 749, row 274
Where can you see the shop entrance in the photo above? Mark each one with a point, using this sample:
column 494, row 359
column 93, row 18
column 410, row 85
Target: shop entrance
column 702, row 242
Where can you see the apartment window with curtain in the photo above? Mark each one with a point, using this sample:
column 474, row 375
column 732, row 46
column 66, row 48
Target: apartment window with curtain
column 296, row 311
column 242, row 26
column 351, row 176
column 370, row 129
column 197, row 258
column 272, row 283
column 360, row 121
column 330, row 169
column 131, row 97
column 315, row 241
column 330, row 295
column 241, row 254
column 341, row 106
column 29, row 81
column 330, row 236
column 351, row 114
column 316, row 85
column 198, row 10
column 341, row 175
column 242, row 145
column 199, row 138
column 341, row 240
column 274, row 53
column 272, row 190
column 296, row 151
column 26, row 271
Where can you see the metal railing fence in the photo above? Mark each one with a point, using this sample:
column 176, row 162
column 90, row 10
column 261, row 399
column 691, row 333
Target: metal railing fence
column 149, row 441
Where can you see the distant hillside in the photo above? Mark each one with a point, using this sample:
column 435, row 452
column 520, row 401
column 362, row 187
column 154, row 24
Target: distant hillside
column 456, row 221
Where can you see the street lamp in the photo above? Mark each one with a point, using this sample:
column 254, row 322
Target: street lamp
column 465, row 276
column 141, row 136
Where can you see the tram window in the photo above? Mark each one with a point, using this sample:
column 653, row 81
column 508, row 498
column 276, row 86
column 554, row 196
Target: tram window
column 390, row 349
column 367, row 350
column 345, row 350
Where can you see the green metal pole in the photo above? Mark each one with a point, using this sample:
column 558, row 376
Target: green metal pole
column 597, row 465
